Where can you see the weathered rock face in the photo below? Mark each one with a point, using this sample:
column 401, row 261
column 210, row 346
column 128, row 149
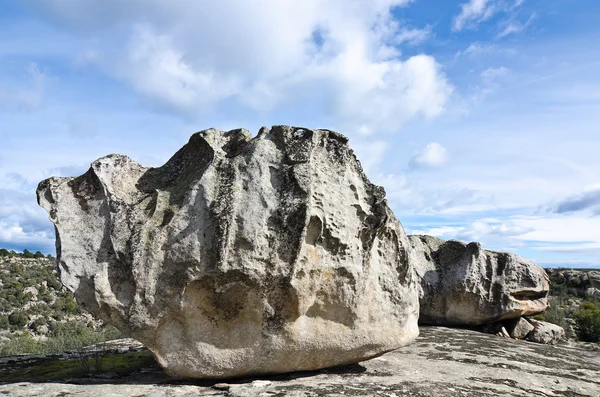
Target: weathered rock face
column 519, row 328
column 544, row 332
column 239, row 256
column 594, row 279
column 463, row 284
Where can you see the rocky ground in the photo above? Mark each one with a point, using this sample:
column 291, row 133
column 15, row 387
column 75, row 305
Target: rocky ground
column 442, row 362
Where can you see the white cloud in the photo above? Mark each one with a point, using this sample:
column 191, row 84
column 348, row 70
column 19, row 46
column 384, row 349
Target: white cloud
column 12, row 235
column 472, row 13
column 433, row 156
column 413, row 36
column 481, row 230
column 555, row 233
column 491, row 74
column 22, row 222
column 513, row 26
column 191, row 57
column 560, row 228
column 478, row 50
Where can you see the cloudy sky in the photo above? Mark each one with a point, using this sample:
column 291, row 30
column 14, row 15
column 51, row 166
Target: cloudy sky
column 481, row 118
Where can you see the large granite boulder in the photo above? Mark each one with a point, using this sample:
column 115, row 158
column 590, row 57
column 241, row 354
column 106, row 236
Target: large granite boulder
column 240, row 256
column 463, row 284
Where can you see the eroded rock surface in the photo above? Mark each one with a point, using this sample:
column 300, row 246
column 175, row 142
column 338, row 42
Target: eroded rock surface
column 519, row 328
column 240, row 255
column 463, row 284
column 545, row 332
column 442, row 362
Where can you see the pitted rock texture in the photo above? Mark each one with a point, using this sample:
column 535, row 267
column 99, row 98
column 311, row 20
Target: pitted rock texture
column 463, row 284
column 240, row 256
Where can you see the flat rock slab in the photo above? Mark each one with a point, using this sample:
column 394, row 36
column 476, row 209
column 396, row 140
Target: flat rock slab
column 442, row 362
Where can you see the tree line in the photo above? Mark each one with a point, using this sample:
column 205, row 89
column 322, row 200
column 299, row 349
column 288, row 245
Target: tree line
column 25, row 254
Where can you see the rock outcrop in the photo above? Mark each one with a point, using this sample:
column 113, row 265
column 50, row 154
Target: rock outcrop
column 240, row 256
column 586, row 281
column 594, row 279
column 545, row 332
column 526, row 328
column 519, row 328
column 441, row 362
column 465, row 285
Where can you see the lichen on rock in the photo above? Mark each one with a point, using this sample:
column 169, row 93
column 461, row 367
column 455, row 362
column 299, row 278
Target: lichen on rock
column 240, row 255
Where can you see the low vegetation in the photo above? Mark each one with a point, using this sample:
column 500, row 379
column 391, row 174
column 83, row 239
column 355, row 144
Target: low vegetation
column 572, row 306
column 588, row 322
column 39, row 315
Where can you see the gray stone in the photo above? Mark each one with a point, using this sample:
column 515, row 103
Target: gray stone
column 503, row 333
column 441, row 362
column 544, row 332
column 463, row 284
column 42, row 329
column 519, row 328
column 593, row 292
column 594, row 279
column 239, row 256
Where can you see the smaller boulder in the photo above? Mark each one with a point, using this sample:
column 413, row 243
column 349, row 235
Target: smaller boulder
column 544, row 332
column 42, row 329
column 31, row 290
column 594, row 279
column 593, row 292
column 519, row 328
column 503, row 333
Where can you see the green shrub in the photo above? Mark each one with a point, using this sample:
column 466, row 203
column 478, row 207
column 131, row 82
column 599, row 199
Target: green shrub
column 54, row 283
column 46, row 297
column 587, row 319
column 73, row 335
column 18, row 319
column 70, row 306
column 38, row 322
column 21, row 344
column 575, row 282
column 62, row 337
column 554, row 314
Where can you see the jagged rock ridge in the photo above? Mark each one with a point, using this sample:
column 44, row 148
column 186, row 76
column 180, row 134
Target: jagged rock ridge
column 240, row 255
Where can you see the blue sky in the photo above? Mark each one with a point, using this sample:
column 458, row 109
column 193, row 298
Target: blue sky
column 481, row 118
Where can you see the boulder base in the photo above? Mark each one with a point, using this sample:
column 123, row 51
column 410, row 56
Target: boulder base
column 240, row 256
